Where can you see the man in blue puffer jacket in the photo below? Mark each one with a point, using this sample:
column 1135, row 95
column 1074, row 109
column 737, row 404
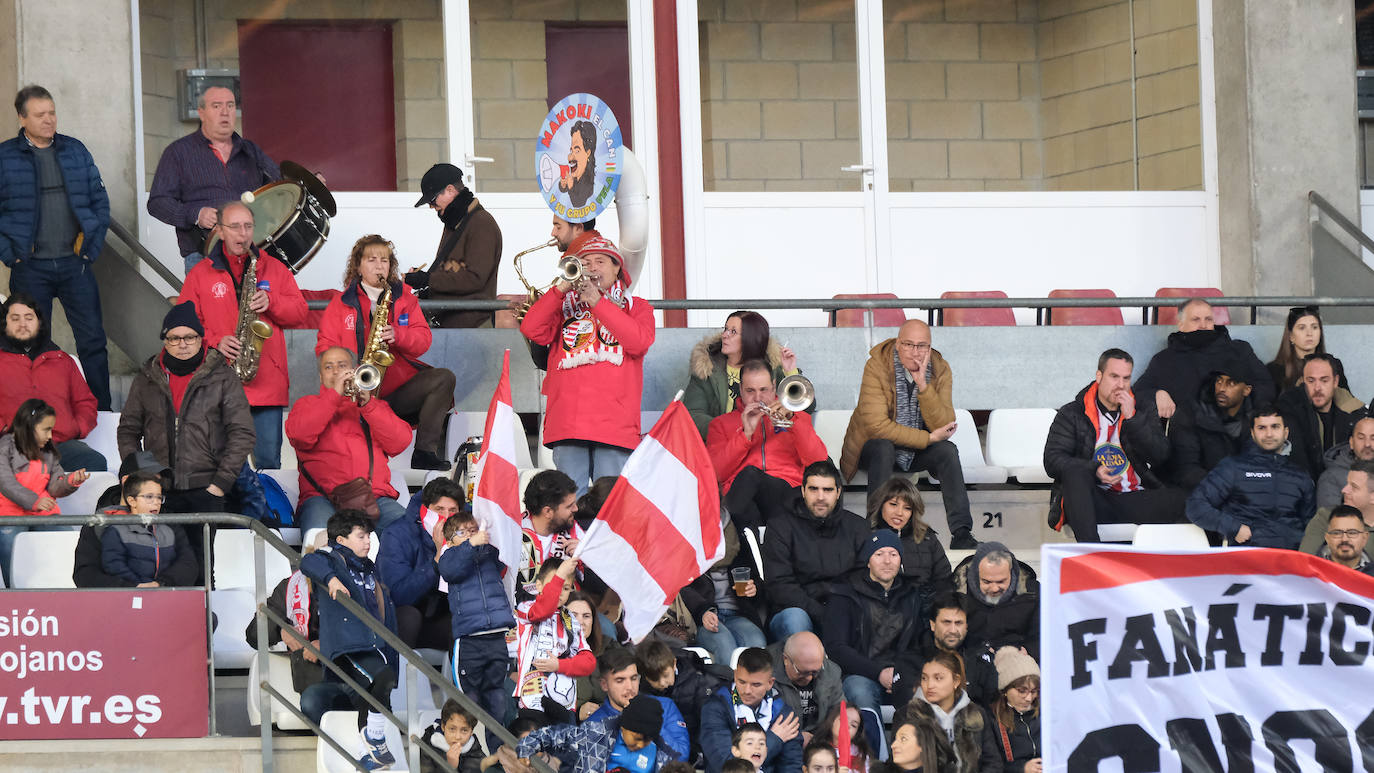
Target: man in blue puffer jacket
column 481, row 613
column 54, row 212
column 1259, row 497
column 342, row 568
column 407, row 561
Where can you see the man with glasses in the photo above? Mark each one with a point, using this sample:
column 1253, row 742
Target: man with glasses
column 1347, row 537
column 189, row 410
column 807, row 680
column 903, row 423
column 469, row 255
column 215, row 286
column 1358, row 493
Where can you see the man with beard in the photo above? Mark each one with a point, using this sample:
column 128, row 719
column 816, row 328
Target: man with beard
column 1346, row 537
column 1215, row 426
column 580, row 181
column 1318, row 418
column 948, row 632
column 1001, row 602
column 1257, row 498
column 469, row 254
column 548, row 528
column 31, row 365
column 1193, row 353
column 1357, row 493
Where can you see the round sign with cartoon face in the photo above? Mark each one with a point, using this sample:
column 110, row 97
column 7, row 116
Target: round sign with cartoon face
column 577, row 157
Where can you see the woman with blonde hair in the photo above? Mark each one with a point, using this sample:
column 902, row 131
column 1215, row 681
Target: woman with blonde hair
column 418, row 393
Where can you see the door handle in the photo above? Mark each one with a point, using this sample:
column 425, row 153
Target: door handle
column 864, row 168
column 471, row 159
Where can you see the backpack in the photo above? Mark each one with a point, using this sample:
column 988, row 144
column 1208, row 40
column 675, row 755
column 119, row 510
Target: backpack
column 277, row 501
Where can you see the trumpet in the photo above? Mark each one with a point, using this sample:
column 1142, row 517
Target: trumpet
column 795, row 393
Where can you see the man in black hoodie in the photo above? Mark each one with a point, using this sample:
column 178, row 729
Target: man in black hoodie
column 1195, row 352
column 1215, row 426
column 806, row 549
column 872, row 625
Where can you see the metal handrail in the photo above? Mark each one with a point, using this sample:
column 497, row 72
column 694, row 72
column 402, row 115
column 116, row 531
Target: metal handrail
column 835, row 304
column 264, row 615
column 144, row 255
column 1352, row 230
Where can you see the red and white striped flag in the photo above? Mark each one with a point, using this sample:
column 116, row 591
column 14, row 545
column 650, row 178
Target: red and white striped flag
column 660, row 526
column 496, row 502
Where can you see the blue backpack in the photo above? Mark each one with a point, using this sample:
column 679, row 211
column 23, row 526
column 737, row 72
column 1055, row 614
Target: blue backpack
column 277, row 500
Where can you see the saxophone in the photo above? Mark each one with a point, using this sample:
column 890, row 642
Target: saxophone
column 251, row 331
column 375, row 358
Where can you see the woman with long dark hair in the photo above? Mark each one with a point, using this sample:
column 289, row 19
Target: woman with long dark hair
column 714, row 384
column 943, row 700
column 1303, row 334
column 897, row 505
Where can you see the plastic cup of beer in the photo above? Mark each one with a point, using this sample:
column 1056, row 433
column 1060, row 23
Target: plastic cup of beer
column 740, row 577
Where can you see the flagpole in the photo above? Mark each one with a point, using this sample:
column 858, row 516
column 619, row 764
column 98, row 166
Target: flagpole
column 678, row 397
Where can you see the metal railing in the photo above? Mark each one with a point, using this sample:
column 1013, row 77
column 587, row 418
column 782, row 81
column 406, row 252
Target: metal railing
column 144, row 256
column 934, row 306
column 263, row 536
column 1327, row 208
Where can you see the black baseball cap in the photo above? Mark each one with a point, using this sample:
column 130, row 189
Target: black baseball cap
column 439, row 177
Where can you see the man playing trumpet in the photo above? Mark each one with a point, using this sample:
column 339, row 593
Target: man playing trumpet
column 598, row 335
column 760, row 449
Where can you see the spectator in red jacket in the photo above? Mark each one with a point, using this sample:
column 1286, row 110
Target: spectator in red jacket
column 759, row 464
column 596, row 370
column 214, row 285
column 338, row 440
column 419, row 393
column 31, row 365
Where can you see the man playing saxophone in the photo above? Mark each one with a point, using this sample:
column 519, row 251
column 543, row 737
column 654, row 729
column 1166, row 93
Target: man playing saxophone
column 418, row 393
column 216, row 286
column 598, row 335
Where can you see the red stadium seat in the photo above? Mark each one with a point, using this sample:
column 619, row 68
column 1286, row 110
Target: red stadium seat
column 862, row 318
column 1168, row 315
column 952, row 317
column 1086, row 315
column 312, row 320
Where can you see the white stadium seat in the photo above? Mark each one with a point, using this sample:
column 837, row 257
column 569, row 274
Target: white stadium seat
column 1016, row 441
column 965, row 438
column 233, row 564
column 1180, row 536
column 233, row 610
column 82, row 501
column 279, row 677
column 43, row 559
column 103, row 437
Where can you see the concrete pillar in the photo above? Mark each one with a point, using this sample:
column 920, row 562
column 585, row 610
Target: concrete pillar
column 1285, row 91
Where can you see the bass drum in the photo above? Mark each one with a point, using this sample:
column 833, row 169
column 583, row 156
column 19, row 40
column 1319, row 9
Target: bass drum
column 289, row 223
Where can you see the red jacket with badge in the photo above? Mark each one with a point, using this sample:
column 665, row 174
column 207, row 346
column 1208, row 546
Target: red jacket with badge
column 596, row 363
column 328, row 437
column 213, row 289
column 347, row 321
column 53, row 377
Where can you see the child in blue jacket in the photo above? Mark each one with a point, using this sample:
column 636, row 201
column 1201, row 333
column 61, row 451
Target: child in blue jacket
column 342, row 568
column 481, row 614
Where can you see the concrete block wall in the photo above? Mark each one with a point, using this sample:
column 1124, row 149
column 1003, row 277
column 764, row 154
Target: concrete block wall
column 963, row 96
column 510, row 80
column 779, row 92
column 981, row 94
column 167, row 29
column 1085, row 54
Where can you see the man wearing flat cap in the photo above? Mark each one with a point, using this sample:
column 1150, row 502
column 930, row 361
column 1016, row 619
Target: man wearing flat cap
column 469, row 254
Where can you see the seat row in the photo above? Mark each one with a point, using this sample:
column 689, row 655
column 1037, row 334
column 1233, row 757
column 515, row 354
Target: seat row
column 964, row 317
